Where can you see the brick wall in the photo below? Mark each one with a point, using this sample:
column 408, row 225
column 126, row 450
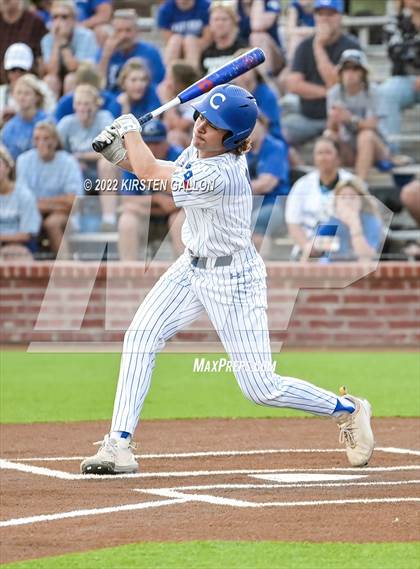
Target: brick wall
column 87, row 303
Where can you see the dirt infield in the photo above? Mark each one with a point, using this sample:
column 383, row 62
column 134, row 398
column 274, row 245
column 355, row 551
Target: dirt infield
column 271, row 479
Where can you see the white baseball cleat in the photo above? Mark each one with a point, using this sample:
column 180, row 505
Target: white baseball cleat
column 115, row 456
column 356, row 432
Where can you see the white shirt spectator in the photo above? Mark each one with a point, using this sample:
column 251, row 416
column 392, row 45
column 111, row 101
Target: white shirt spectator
column 307, row 205
column 18, row 212
column 59, row 176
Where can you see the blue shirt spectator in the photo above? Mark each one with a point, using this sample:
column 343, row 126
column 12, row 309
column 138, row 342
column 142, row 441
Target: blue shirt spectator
column 87, row 8
column 147, row 103
column 268, row 105
column 17, row 133
column 46, row 179
column 141, row 49
column 65, row 104
column 184, row 22
column 273, row 6
column 18, row 211
column 77, row 138
column 272, row 158
column 83, row 45
column 304, row 17
column 269, row 171
column 372, row 230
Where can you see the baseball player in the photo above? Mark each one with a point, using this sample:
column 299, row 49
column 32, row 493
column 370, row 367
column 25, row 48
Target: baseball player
column 220, row 272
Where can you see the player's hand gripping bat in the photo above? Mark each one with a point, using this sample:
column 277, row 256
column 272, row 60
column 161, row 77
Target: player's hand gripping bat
column 224, row 74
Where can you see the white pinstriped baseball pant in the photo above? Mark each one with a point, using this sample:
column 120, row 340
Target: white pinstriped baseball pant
column 235, row 299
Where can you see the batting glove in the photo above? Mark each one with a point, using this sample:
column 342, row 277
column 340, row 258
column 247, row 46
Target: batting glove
column 114, row 152
column 126, row 123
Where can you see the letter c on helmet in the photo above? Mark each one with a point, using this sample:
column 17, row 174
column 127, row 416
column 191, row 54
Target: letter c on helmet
column 214, row 97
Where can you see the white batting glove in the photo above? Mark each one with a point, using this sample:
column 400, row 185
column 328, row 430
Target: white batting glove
column 114, row 152
column 126, row 123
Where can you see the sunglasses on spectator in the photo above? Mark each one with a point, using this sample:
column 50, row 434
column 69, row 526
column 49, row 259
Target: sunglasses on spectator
column 61, row 16
column 352, row 66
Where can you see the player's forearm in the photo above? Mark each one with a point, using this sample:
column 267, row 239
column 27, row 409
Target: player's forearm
column 144, row 164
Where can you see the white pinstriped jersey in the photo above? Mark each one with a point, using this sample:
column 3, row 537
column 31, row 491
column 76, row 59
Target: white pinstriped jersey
column 217, row 199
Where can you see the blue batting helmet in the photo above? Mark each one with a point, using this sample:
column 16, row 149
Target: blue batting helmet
column 231, row 108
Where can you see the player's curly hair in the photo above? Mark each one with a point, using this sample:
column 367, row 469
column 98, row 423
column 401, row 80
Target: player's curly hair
column 244, row 147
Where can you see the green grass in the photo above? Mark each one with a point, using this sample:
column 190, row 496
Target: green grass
column 237, row 555
column 75, row 387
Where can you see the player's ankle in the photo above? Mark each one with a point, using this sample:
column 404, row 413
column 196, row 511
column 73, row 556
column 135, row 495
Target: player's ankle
column 344, row 405
column 120, row 435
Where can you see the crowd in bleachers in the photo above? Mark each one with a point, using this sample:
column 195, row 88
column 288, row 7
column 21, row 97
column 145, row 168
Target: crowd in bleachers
column 69, row 67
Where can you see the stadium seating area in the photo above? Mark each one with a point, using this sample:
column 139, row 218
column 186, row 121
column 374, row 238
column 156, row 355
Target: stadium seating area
column 339, row 97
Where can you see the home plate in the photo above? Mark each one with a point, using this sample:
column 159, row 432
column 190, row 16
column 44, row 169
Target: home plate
column 307, row 477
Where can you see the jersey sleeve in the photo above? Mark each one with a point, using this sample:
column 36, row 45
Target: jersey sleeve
column 198, row 185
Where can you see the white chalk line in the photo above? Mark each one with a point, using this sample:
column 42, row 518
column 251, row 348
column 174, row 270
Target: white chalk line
column 91, row 512
column 208, row 499
column 4, row 464
column 201, row 454
column 7, row 465
column 287, row 485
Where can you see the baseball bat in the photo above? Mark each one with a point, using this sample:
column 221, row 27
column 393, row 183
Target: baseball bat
column 224, row 74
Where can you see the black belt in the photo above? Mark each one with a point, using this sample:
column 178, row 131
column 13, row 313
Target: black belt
column 203, row 262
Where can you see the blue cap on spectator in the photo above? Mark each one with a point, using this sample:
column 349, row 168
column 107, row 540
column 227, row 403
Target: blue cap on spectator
column 154, row 131
column 337, row 5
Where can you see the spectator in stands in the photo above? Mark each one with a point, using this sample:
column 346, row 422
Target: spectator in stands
column 264, row 21
column 266, row 99
column 55, row 179
column 77, row 132
column 185, row 29
column 122, row 45
column 65, row 47
column 138, row 95
column 410, row 198
column 402, row 90
column 138, row 204
column 357, row 227
column 17, row 133
column 43, row 10
column 19, row 217
column 353, row 106
column 314, row 72
column 92, row 13
column 18, row 60
column 19, row 25
column 269, row 171
column 225, row 33
column 179, row 121
column 310, row 199
column 86, row 73
column 300, row 23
